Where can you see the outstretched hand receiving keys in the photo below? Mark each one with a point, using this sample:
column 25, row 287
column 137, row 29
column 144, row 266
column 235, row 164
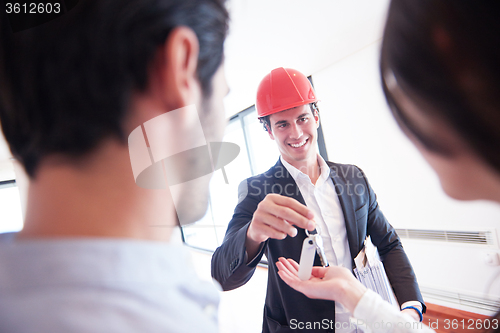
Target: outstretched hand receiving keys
column 331, row 283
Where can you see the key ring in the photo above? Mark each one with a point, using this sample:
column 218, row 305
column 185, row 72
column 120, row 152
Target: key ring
column 317, row 229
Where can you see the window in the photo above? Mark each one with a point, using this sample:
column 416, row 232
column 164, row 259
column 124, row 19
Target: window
column 208, row 233
column 10, row 207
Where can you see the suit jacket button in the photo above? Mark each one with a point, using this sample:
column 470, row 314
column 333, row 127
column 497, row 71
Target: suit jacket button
column 234, row 264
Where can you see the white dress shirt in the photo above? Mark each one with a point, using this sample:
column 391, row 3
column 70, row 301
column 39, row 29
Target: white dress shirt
column 322, row 199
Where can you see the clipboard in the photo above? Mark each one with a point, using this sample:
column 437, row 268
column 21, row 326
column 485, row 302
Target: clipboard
column 371, row 273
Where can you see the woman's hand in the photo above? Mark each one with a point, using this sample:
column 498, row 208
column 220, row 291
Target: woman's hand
column 330, row 283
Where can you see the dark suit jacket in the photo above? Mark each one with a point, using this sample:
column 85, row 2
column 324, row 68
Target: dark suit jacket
column 285, row 306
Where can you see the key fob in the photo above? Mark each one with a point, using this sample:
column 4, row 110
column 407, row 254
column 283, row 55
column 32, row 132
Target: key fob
column 307, row 259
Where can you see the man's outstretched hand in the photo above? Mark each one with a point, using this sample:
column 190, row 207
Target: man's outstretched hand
column 276, row 217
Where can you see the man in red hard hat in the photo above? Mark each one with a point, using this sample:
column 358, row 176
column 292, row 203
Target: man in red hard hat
column 303, row 191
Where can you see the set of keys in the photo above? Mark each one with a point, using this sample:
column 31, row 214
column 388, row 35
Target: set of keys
column 312, row 243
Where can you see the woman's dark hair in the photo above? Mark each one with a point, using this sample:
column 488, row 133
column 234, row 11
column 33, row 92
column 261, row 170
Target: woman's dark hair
column 447, row 53
column 65, row 85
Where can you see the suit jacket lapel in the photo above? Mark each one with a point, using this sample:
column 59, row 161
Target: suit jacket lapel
column 284, row 183
column 348, row 210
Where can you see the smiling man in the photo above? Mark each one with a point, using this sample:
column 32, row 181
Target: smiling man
column 303, row 191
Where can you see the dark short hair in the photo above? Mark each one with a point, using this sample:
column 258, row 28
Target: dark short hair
column 446, row 53
column 266, row 122
column 66, row 85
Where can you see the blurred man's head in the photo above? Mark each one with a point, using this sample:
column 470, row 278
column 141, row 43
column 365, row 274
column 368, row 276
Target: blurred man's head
column 68, row 84
column 73, row 89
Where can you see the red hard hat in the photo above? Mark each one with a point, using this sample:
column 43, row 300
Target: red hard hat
column 282, row 89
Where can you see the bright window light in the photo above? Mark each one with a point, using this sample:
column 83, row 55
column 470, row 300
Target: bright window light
column 11, row 217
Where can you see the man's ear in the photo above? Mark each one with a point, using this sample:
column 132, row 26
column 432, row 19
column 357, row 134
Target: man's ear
column 176, row 69
column 316, row 118
column 270, row 132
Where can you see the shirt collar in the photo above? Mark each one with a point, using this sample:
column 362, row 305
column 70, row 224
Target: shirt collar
column 296, row 173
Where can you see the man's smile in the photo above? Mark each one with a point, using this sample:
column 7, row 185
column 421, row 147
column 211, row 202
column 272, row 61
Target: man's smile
column 299, row 144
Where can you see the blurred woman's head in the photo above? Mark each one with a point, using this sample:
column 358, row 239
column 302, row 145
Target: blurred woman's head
column 440, row 68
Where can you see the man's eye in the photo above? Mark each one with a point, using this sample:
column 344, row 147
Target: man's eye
column 303, row 119
column 281, row 125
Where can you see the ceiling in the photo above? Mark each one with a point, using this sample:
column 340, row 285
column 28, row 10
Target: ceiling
column 305, row 35
column 265, row 34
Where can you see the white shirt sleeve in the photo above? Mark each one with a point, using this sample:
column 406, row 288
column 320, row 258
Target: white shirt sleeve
column 416, row 304
column 380, row 317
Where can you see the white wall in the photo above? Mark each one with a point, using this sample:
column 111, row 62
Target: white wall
column 359, row 129
column 305, row 35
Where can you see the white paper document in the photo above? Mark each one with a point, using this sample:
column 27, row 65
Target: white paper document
column 371, row 273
